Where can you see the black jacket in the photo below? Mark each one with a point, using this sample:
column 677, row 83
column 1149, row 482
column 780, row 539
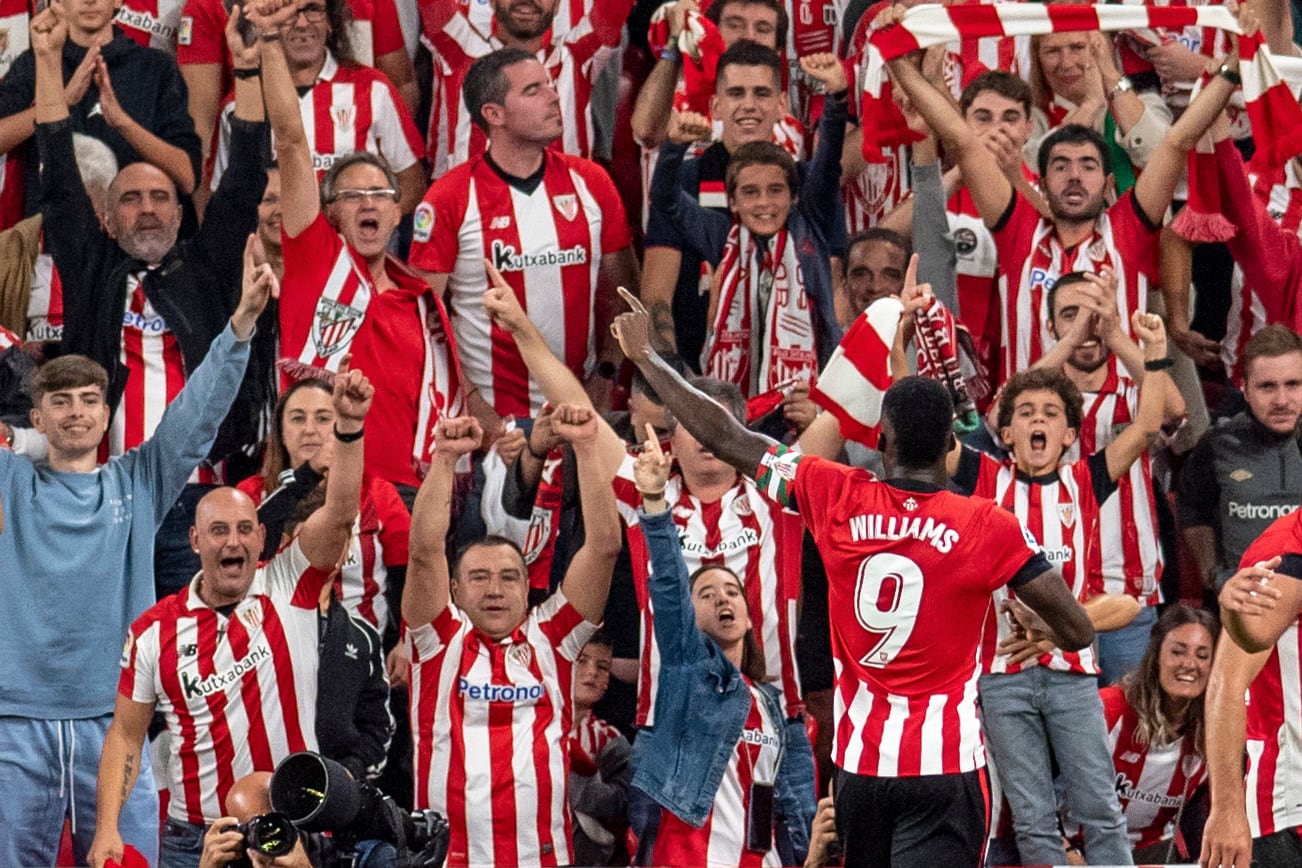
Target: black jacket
column 147, row 83
column 195, row 289
column 353, row 726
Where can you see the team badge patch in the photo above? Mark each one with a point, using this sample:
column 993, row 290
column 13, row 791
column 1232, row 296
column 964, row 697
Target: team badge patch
column 335, row 325
column 521, row 654
column 1067, row 513
column 567, row 205
column 910, row 504
column 422, row 222
column 343, row 115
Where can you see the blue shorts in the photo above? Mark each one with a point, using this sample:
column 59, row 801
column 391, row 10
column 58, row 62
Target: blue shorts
column 47, row 773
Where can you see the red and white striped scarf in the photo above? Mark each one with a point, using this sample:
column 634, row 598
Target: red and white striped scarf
column 857, row 376
column 787, row 347
column 700, row 45
column 943, row 346
column 1275, row 114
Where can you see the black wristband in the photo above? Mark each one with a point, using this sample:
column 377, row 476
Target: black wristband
column 1230, row 75
column 1159, row 364
column 349, row 438
column 251, row 72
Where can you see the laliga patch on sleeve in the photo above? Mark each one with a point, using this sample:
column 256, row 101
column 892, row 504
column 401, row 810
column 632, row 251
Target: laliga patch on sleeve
column 184, row 35
column 422, row 222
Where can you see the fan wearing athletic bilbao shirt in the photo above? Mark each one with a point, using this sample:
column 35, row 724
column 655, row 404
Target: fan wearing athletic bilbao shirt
column 343, row 291
column 1256, row 814
column 492, row 683
column 550, row 222
column 910, row 570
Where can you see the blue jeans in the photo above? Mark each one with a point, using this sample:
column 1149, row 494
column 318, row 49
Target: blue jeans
column 1031, row 718
column 1120, row 651
column 182, row 845
column 47, row 772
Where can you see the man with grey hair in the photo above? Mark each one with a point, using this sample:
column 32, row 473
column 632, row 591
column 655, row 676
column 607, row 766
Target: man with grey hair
column 135, row 299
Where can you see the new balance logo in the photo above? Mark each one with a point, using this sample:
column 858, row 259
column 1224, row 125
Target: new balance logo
column 500, row 222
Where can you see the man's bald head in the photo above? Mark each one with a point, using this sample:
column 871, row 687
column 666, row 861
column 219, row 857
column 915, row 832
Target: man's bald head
column 249, row 797
column 228, row 539
column 142, row 212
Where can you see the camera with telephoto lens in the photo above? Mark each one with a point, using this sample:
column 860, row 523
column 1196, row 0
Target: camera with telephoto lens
column 269, row 834
column 319, row 795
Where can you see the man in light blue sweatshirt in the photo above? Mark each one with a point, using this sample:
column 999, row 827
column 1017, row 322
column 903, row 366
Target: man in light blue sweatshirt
column 76, row 566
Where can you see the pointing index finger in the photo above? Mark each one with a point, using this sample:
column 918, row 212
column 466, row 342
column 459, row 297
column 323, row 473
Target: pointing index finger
column 911, row 275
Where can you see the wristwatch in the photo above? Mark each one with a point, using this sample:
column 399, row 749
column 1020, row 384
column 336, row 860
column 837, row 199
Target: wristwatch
column 1123, row 85
column 1230, row 75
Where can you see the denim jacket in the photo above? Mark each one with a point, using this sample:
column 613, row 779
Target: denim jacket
column 701, row 708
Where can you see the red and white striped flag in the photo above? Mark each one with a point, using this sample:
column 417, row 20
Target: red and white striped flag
column 859, row 373
column 1274, row 112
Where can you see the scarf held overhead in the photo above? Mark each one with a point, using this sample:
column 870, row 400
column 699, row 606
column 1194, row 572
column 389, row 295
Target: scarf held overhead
column 1275, row 114
column 857, row 376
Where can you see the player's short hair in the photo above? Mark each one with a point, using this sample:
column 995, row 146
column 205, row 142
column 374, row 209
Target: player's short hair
column 66, row 373
column 752, row 658
column 1034, row 379
column 726, row 394
column 879, row 234
column 486, row 82
column 1071, row 277
column 492, row 540
column 1074, row 134
column 1270, row 343
column 747, row 53
column 921, row 414
column 761, row 154
column 1007, row 85
column 330, row 183
column 715, row 14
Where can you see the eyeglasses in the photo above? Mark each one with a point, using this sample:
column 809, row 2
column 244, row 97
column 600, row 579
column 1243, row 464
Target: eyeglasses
column 355, row 197
column 315, row 13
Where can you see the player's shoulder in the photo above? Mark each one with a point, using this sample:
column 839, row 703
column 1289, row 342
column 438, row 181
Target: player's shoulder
column 1283, row 536
column 166, row 611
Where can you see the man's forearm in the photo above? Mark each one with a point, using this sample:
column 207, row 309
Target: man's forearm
column 174, row 161
column 119, row 766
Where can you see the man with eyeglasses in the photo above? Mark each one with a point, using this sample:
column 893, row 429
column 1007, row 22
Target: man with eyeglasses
column 344, row 293
column 345, row 105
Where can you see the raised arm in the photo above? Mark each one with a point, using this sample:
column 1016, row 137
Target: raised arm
column 175, row 161
column 655, row 101
column 428, row 579
column 300, row 197
column 326, row 532
column 587, row 579
column 705, row 418
column 1260, row 602
column 823, row 180
column 990, row 188
column 1151, row 413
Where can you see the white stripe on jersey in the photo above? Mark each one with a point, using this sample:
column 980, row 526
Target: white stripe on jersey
column 1274, row 799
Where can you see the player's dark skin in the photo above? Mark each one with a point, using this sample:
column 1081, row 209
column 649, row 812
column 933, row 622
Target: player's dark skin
column 1053, row 611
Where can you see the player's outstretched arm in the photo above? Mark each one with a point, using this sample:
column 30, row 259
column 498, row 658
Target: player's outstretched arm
column 426, row 593
column 1055, row 613
column 587, row 580
column 705, row 418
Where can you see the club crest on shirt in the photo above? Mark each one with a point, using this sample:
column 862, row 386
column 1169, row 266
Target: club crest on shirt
column 521, row 654
column 1067, row 513
column 335, row 326
column 344, row 115
column 741, row 506
column 910, row 504
column 538, row 534
column 567, row 204
column 252, row 616
column 1098, row 251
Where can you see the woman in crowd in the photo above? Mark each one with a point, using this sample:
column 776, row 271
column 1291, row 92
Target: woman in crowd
column 734, row 778
column 1155, row 728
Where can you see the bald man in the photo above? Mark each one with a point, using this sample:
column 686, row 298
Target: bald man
column 248, row 797
column 231, row 660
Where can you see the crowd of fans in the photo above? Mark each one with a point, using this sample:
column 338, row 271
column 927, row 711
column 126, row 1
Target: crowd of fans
column 467, row 390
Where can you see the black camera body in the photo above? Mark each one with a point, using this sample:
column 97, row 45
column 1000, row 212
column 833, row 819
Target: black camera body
column 317, row 794
column 271, row 834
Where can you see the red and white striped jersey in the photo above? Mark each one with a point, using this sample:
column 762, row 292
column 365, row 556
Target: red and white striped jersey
column 45, row 305
column 151, row 23
column 491, row 724
column 573, row 61
column 1281, row 194
column 1031, row 260
column 1131, row 558
column 750, row 535
column 721, row 842
column 378, row 541
column 15, row 19
column 876, row 191
column 910, row 575
column 350, row 108
column 547, row 241
column 375, row 30
column 1061, row 510
column 329, row 308
column 1274, row 713
column 238, row 691
column 1153, row 781
column 155, row 372
column 591, row 735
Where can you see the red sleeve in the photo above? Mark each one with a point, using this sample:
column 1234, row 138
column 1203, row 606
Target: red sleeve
column 203, row 39
column 607, row 19
column 615, row 234
column 395, row 522
column 1271, row 258
column 1137, row 239
column 386, row 30
column 1284, row 536
column 1114, row 704
column 1015, row 230
column 1007, row 546
column 803, row 483
column 437, row 223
